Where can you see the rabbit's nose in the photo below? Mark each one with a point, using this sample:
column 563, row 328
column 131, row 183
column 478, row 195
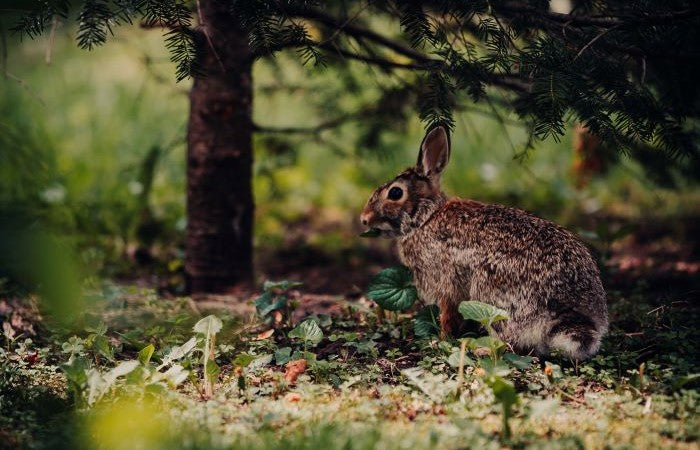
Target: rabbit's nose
column 365, row 218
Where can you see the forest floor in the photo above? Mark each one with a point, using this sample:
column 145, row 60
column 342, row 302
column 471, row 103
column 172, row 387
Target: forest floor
column 143, row 371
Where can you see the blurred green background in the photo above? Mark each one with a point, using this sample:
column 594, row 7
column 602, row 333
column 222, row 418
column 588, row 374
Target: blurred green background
column 93, row 144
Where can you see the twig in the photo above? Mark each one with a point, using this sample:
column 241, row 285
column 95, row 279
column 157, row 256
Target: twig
column 460, row 374
column 570, row 397
column 592, row 41
column 52, row 39
column 205, row 30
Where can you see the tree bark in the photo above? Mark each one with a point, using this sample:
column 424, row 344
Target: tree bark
column 218, row 248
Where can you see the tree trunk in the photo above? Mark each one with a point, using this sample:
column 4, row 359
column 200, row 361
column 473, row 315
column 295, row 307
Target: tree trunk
column 219, row 158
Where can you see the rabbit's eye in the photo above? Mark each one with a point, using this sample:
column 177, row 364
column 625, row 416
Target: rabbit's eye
column 395, row 193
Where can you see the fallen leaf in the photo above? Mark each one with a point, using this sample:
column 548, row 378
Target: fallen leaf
column 265, row 335
column 294, row 369
column 481, row 351
column 411, row 413
column 292, row 397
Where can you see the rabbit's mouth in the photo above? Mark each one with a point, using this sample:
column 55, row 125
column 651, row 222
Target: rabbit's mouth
column 379, row 231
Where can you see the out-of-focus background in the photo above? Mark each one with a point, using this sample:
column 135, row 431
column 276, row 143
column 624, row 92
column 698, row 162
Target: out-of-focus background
column 95, row 143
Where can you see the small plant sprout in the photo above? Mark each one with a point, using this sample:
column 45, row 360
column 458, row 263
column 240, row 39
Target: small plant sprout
column 274, row 306
column 208, row 327
column 307, row 331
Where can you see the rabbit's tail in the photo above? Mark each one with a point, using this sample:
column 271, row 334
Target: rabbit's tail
column 576, row 337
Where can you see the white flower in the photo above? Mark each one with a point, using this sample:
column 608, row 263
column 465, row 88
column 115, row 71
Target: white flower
column 488, row 171
column 135, row 187
column 53, row 194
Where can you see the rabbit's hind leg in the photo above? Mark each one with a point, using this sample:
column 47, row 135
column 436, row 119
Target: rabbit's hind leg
column 450, row 319
column 575, row 336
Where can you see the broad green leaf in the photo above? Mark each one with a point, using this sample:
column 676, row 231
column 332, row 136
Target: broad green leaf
column 75, row 371
column 686, row 379
column 483, row 313
column 323, row 320
column 453, row 360
column 308, row 356
column 505, row 394
column 393, row 289
column 489, row 342
column 243, row 359
column 371, row 233
column 178, row 352
column 208, row 326
column 503, row 390
column 101, row 344
column 146, row 353
column 212, row 370
column 121, row 369
column 307, row 331
column 283, row 285
column 517, row 361
column 426, row 322
column 260, row 361
column 175, row 375
column 283, row 356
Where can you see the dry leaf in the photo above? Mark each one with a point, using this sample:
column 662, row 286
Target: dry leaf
column 265, row 335
column 294, row 369
column 292, row 397
column 482, row 351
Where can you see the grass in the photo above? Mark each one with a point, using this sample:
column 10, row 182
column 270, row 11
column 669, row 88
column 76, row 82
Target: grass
column 370, row 383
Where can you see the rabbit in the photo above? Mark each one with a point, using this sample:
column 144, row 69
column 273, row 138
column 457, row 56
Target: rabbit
column 457, row 249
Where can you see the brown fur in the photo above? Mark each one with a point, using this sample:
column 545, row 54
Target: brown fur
column 542, row 274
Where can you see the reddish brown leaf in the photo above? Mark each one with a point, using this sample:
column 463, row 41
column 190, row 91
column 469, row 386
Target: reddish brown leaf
column 265, row 335
column 294, row 369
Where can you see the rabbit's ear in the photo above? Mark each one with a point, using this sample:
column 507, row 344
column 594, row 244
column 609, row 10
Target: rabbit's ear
column 434, row 152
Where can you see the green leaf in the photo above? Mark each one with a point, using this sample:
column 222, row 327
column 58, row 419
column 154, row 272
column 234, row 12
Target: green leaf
column 505, row 394
column 371, row 233
column 503, row 390
column 393, row 289
column 489, row 342
column 267, row 303
column 517, row 361
column 260, row 361
column 212, row 370
column 146, row 353
column 483, row 313
column 308, row 331
column 283, row 356
column 283, row 285
column 75, row 371
column 308, row 356
column 453, row 360
column 178, row 352
column 686, row 379
column 101, row 345
column 243, row 359
column 426, row 323
column 323, row 320
column 208, row 326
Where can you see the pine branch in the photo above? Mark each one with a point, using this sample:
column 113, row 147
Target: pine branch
column 603, row 21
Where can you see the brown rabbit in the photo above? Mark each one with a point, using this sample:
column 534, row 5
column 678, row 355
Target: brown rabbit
column 542, row 274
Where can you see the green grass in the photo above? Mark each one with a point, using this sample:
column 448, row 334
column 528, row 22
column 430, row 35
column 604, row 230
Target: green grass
column 370, row 383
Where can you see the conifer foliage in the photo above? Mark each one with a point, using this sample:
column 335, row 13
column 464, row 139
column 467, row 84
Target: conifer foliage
column 628, row 70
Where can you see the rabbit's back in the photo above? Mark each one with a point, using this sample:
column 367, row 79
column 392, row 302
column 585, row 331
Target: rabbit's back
column 542, row 274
